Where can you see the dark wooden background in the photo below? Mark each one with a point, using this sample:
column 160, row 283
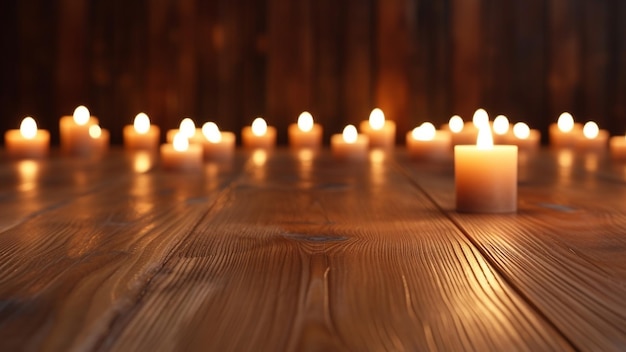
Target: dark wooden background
column 231, row 60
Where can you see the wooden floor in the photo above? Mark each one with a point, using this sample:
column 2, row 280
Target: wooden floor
column 298, row 252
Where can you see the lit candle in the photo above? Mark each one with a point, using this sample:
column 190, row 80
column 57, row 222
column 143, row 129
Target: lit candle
column 593, row 139
column 565, row 132
column 180, row 154
column 501, row 130
column 217, row 144
column 381, row 132
column 74, row 131
column 259, row 135
column 28, row 141
column 350, row 144
column 306, row 133
column 188, row 128
column 424, row 142
column 459, row 132
column 617, row 145
column 100, row 138
column 485, row 176
column 141, row 135
column 525, row 138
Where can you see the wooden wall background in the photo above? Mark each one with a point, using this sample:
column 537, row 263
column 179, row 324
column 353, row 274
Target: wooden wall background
column 231, row 60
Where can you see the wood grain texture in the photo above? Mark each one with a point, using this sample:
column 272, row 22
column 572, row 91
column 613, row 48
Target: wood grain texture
column 562, row 250
column 318, row 255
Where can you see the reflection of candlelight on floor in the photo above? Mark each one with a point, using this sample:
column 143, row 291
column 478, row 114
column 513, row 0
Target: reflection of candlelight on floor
column 142, row 161
column 28, row 171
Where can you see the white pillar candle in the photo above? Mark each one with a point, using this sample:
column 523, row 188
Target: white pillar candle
column 180, row 155
column 141, row 135
column 460, row 132
column 381, row 132
column 424, row 142
column 28, row 141
column 74, row 131
column 501, row 131
column 259, row 135
column 617, row 146
column 593, row 139
column 306, row 133
column 188, row 129
column 525, row 138
column 485, row 176
column 217, row 145
column 350, row 144
column 100, row 139
column 565, row 132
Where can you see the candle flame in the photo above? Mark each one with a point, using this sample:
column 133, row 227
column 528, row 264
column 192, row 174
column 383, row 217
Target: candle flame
column 500, row 125
column 180, row 142
column 187, row 127
column 28, row 128
column 211, row 132
column 377, row 119
column 81, row 115
column 305, row 121
column 521, row 130
column 456, row 124
column 95, row 131
column 484, row 139
column 565, row 122
column 425, row 132
column 591, row 130
column 350, row 134
column 142, row 123
column 480, row 118
column 259, row 127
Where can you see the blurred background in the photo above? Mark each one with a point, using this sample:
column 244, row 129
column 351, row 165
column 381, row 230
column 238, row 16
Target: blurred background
column 229, row 61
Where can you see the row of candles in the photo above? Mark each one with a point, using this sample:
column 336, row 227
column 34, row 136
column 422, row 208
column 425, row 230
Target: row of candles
column 485, row 152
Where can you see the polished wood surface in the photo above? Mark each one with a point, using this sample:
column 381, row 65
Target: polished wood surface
column 297, row 251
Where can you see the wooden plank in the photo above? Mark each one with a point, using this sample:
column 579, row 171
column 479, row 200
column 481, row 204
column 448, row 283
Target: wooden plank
column 67, row 273
column 562, row 250
column 322, row 255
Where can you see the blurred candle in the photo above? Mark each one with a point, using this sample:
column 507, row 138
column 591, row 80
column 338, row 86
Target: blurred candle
column 617, row 146
column 349, row 144
column 306, row 133
column 424, row 142
column 460, row 132
column 28, row 141
column 565, row 132
column 181, row 155
column 593, row 139
column 141, row 135
column 259, row 135
column 485, row 176
column 525, row 138
column 188, row 128
column 74, row 131
column 381, row 132
column 100, row 139
column 217, row 145
column 501, row 130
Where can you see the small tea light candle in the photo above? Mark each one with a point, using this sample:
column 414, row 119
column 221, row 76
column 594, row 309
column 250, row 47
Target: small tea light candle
column 217, row 144
column 459, row 132
column 593, row 139
column 306, row 133
column 141, row 135
column 74, row 131
column 424, row 142
column 28, row 141
column 188, row 128
column 501, row 130
column 485, row 176
column 617, row 145
column 565, row 132
column 525, row 138
column 181, row 155
column 259, row 135
column 381, row 132
column 99, row 138
column 350, row 144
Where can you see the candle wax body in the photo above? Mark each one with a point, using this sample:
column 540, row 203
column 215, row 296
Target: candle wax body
column 617, row 145
column 532, row 143
column 101, row 144
column 485, row 179
column 466, row 136
column 19, row 147
column 385, row 138
column 560, row 139
column 342, row 150
column 75, row 139
column 598, row 144
column 300, row 139
column 190, row 159
column 266, row 141
column 197, row 138
column 224, row 149
column 501, row 138
column 437, row 148
column 136, row 141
